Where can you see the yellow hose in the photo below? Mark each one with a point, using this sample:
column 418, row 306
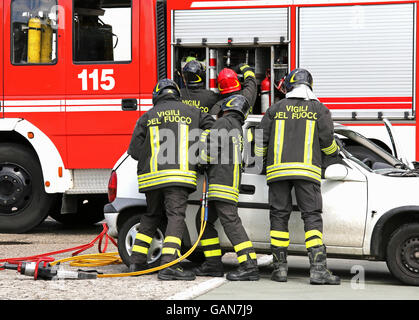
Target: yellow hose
column 104, row 259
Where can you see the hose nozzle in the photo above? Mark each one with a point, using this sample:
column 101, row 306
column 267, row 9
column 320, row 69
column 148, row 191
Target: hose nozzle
column 9, row 266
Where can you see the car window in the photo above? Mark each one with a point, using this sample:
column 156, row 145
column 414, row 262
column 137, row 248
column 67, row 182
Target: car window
column 102, row 31
column 366, row 151
column 34, row 32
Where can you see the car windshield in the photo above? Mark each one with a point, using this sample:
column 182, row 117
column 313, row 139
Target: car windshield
column 354, row 146
column 366, row 153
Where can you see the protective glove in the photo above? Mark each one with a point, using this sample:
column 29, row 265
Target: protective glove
column 202, row 168
column 245, row 70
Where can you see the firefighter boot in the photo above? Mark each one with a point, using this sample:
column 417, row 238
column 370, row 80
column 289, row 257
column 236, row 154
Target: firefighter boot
column 138, row 262
column 134, row 267
column 247, row 271
column 280, row 272
column 211, row 267
column 319, row 274
column 175, row 272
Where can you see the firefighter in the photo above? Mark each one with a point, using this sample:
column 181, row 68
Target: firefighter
column 195, row 94
column 222, row 151
column 165, row 182
column 296, row 131
column 229, row 84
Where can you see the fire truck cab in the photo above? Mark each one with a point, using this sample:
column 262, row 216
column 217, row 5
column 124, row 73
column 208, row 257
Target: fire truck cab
column 70, row 97
column 75, row 75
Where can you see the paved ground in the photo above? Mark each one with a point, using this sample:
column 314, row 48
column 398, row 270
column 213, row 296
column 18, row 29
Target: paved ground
column 51, row 236
column 361, row 280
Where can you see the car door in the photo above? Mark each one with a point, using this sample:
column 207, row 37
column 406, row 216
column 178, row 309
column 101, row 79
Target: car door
column 344, row 207
column 344, row 211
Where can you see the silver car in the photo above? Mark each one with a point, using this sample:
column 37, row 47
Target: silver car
column 370, row 207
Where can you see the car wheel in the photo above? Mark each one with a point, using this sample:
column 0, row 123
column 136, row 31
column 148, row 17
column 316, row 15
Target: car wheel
column 403, row 254
column 126, row 239
column 23, row 201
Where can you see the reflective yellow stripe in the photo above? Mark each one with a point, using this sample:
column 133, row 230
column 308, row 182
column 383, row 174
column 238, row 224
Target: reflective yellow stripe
column 243, row 245
column 206, row 157
column 279, row 138
column 308, row 143
column 236, row 173
column 144, row 238
column 173, row 240
column 313, row 233
column 280, row 243
column 184, row 147
column 167, row 180
column 243, row 257
column 249, row 73
column 155, row 147
column 223, row 187
column 249, row 135
column 212, row 253
column 280, row 234
column 287, row 173
column 331, row 149
column 170, row 172
column 293, row 165
column 170, row 251
column 314, row 242
column 204, row 135
column 209, row 242
column 216, row 194
column 139, row 249
column 261, row 151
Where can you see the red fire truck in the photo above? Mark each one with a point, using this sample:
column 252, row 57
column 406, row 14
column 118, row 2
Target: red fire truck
column 77, row 74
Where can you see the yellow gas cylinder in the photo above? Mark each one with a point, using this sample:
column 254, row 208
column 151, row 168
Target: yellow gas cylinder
column 34, row 40
column 46, row 42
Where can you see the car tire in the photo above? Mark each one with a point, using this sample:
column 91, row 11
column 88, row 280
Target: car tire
column 403, row 254
column 24, row 204
column 126, row 238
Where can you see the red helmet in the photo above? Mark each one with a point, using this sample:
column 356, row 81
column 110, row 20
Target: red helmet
column 228, row 81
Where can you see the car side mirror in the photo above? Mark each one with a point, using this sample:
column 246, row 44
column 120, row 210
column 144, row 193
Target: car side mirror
column 336, row 172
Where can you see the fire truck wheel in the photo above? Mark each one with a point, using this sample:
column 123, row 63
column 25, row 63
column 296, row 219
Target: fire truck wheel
column 23, row 201
column 403, row 254
column 89, row 211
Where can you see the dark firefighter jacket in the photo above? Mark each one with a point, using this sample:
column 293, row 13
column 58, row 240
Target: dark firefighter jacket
column 160, row 143
column 222, row 146
column 199, row 98
column 249, row 90
column 295, row 133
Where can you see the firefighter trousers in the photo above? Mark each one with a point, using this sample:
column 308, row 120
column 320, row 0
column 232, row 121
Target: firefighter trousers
column 309, row 201
column 172, row 202
column 233, row 228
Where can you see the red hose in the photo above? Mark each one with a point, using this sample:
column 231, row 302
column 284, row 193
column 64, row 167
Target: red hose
column 46, row 257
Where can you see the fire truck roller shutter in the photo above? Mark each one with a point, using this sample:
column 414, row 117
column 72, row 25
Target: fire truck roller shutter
column 242, row 25
column 34, row 40
column 348, row 50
